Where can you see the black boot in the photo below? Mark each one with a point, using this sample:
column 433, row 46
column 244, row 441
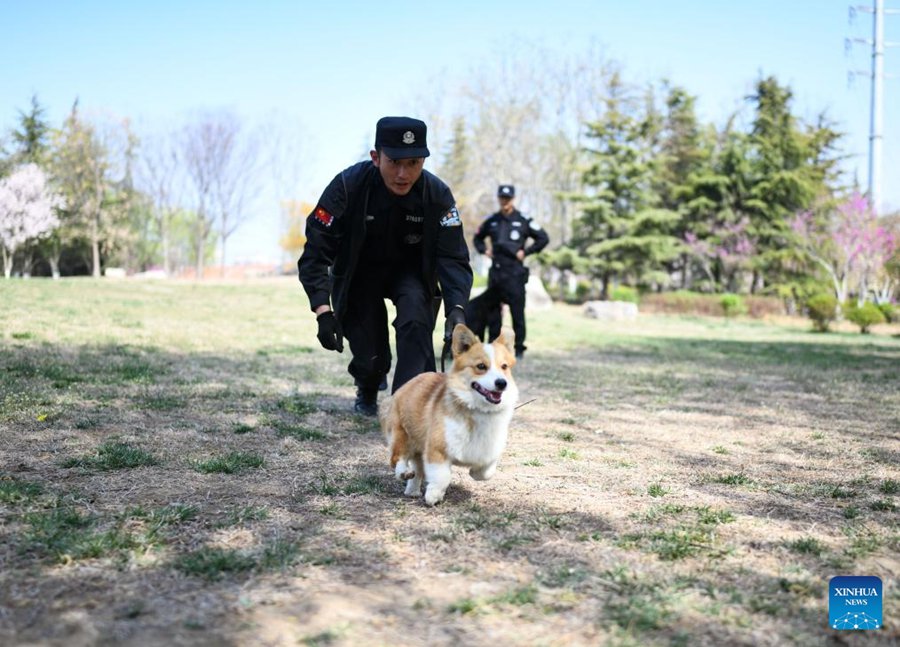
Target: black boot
column 366, row 402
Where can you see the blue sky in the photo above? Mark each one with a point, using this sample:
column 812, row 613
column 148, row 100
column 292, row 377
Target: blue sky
column 334, row 68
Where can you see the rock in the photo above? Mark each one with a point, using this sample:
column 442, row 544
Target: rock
column 536, row 297
column 611, row 310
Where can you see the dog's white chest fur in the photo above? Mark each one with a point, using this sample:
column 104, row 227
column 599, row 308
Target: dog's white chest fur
column 480, row 444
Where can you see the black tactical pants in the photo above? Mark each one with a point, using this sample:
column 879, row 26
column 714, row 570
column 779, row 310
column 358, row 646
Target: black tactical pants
column 484, row 311
column 365, row 326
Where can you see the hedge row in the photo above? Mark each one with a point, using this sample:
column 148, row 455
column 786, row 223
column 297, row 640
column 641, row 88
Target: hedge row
column 694, row 303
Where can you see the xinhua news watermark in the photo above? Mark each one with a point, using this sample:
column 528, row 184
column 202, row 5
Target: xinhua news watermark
column 854, row 603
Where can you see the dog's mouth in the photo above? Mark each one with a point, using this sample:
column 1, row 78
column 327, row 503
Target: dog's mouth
column 491, row 396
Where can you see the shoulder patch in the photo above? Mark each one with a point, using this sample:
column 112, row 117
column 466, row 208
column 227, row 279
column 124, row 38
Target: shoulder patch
column 534, row 225
column 323, row 216
column 451, row 218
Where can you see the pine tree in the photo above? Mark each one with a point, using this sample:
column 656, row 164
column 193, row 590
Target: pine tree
column 622, row 231
column 32, row 136
column 685, row 179
column 791, row 167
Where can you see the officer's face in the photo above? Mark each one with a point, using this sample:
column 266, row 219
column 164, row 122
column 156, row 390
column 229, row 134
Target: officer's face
column 506, row 205
column 399, row 175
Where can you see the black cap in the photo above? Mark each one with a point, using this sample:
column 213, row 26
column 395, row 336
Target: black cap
column 401, row 137
column 506, row 191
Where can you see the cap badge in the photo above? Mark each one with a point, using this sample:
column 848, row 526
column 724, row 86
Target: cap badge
column 409, row 137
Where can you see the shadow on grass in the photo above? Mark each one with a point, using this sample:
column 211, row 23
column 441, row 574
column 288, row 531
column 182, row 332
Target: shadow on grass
column 333, row 510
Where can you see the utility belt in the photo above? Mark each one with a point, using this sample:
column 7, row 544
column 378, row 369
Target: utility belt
column 508, row 269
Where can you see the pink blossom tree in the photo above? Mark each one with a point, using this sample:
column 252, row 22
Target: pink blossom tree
column 729, row 244
column 851, row 244
column 27, row 210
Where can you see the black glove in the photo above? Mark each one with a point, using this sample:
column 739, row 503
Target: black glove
column 456, row 316
column 330, row 335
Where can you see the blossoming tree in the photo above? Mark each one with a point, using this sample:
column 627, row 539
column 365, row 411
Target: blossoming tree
column 27, row 210
column 851, row 244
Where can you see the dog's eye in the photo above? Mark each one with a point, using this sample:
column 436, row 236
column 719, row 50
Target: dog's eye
column 504, row 366
column 482, row 367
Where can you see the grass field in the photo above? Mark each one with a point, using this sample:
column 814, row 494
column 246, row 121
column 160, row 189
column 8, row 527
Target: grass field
column 179, row 465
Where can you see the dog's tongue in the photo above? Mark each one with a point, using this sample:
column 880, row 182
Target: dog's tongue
column 493, row 397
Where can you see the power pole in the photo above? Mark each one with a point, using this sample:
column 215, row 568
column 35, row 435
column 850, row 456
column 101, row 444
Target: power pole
column 876, row 105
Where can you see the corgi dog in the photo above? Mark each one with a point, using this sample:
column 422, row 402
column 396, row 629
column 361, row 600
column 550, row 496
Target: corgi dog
column 437, row 420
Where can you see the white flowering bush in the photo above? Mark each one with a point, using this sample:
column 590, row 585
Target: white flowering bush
column 27, row 210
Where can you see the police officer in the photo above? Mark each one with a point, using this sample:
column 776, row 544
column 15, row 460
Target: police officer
column 385, row 228
column 509, row 232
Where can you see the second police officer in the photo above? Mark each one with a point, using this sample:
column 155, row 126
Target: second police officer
column 509, row 232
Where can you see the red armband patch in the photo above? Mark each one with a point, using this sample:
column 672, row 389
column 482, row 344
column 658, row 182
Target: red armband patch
column 323, row 216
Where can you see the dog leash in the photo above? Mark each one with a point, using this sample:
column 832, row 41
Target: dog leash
column 524, row 403
column 445, row 353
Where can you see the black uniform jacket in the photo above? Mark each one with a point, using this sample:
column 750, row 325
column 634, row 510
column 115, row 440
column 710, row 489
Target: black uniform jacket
column 336, row 231
column 508, row 235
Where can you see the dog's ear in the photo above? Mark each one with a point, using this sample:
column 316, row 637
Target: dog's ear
column 507, row 338
column 463, row 339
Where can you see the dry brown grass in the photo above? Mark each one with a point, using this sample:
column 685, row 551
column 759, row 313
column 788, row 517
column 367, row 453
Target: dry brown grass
column 679, row 481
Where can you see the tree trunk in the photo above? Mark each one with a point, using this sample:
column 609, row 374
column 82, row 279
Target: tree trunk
column 884, row 293
column 201, row 244
column 54, row 251
column 199, row 259
column 604, row 286
column 222, row 260
column 27, row 263
column 167, row 260
column 95, row 246
column 754, row 281
column 7, row 261
column 95, row 220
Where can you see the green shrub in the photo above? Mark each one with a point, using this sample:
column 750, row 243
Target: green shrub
column 732, row 305
column 822, row 309
column 864, row 316
column 891, row 315
column 583, row 291
column 624, row 293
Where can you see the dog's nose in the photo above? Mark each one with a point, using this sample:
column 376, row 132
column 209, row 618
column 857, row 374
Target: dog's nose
column 500, row 383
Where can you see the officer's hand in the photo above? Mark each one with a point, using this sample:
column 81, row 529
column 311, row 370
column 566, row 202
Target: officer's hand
column 330, row 335
column 520, row 254
column 489, row 253
column 455, row 316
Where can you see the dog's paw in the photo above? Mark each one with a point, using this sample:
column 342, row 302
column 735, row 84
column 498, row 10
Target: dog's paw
column 404, row 470
column 483, row 473
column 413, row 488
column 433, row 498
